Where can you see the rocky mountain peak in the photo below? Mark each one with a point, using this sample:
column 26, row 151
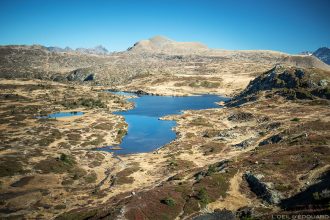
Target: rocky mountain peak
column 323, row 54
column 161, row 44
column 159, row 39
column 99, row 50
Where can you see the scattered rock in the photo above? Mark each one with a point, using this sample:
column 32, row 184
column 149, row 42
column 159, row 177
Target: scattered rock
column 211, row 133
column 217, row 167
column 141, row 92
column 244, row 144
column 323, row 83
column 227, row 134
column 241, row 117
column 244, row 212
column 272, row 140
column 218, row 214
column 273, row 125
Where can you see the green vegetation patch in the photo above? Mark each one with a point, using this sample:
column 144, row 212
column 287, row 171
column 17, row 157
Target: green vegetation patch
column 204, row 84
column 178, row 164
column 123, row 177
column 168, row 201
column 203, row 197
column 213, row 186
column 121, row 131
column 94, row 140
column 77, row 173
column 295, row 119
column 77, row 215
column 64, row 163
column 200, row 122
column 91, row 177
column 104, row 126
column 212, row 148
column 46, row 141
column 10, row 166
column 84, row 102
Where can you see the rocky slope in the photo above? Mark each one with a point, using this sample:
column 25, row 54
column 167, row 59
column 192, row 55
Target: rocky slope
column 323, row 54
column 291, row 83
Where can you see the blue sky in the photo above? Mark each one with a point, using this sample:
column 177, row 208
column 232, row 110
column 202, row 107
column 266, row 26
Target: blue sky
column 286, row 25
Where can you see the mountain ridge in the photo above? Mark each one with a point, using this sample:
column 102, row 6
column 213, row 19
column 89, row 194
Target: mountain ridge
column 157, row 57
column 97, row 50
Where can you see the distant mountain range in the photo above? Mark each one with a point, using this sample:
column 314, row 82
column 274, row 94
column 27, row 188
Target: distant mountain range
column 156, row 57
column 99, row 50
column 306, row 53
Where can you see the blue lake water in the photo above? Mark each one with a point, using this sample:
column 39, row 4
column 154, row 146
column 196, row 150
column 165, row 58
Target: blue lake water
column 145, row 131
column 61, row 115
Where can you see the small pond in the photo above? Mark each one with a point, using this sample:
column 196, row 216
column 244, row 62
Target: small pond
column 61, row 115
column 145, row 131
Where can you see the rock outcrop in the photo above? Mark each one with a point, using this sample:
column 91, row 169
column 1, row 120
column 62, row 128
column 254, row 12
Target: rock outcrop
column 217, row 167
column 289, row 82
column 81, row 75
column 263, row 190
column 272, row 140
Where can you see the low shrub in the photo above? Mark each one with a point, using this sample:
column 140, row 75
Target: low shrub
column 168, row 201
column 203, row 197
